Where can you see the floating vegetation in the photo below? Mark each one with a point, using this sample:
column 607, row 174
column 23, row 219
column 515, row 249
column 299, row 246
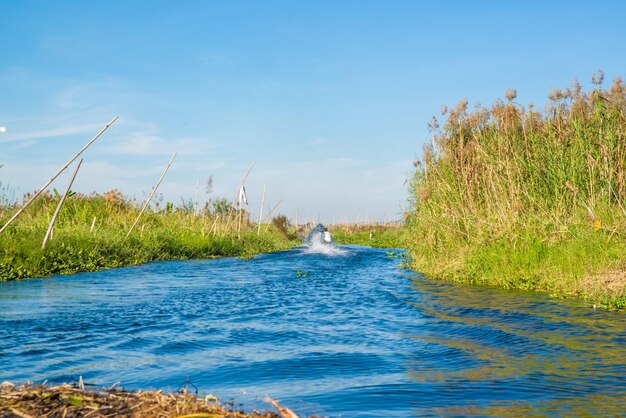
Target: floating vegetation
column 70, row 401
column 396, row 254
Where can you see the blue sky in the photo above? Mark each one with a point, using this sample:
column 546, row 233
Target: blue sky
column 331, row 99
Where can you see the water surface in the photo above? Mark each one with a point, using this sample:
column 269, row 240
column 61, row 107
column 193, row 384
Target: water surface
column 352, row 335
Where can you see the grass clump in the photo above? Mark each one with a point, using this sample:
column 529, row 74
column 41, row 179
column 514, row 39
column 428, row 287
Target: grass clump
column 514, row 197
column 90, row 234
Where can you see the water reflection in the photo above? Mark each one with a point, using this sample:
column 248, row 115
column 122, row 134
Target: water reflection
column 538, row 356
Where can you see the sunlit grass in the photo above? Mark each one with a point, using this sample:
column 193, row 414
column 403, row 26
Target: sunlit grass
column 377, row 236
column 515, row 197
column 90, row 234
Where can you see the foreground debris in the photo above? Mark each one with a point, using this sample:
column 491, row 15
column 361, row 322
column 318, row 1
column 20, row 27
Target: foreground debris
column 67, row 401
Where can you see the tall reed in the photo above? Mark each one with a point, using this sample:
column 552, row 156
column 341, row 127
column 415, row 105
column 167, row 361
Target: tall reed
column 518, row 197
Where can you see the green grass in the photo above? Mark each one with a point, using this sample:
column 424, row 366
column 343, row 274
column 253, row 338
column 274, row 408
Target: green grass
column 391, row 236
column 160, row 235
column 512, row 197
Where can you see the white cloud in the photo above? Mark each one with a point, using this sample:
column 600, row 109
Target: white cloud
column 73, row 98
column 142, row 143
column 132, row 155
column 333, row 189
column 50, row 133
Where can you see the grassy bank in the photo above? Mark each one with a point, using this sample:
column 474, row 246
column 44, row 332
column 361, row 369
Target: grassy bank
column 377, row 236
column 514, row 197
column 90, row 234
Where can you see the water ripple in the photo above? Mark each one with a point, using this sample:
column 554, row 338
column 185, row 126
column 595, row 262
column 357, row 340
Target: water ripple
column 356, row 336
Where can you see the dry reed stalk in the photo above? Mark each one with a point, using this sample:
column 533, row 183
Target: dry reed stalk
column 227, row 226
column 284, row 411
column 214, row 227
column 61, row 401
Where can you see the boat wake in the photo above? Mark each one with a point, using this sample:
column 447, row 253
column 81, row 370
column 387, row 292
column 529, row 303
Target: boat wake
column 320, row 241
column 326, row 249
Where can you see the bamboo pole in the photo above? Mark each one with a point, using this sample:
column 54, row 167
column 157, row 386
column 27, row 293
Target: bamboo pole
column 195, row 205
column 58, row 209
column 261, row 210
column 236, row 202
column 93, row 224
column 243, row 182
column 154, row 189
column 229, row 215
column 40, row 191
column 274, row 208
column 241, row 190
column 240, row 215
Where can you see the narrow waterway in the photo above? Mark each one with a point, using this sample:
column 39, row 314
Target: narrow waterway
column 347, row 334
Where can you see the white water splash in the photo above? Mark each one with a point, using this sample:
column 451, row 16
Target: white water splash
column 320, row 241
column 317, row 247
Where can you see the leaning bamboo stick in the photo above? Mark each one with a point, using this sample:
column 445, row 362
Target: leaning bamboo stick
column 240, row 215
column 195, row 205
column 154, row 189
column 40, row 191
column 243, row 182
column 261, row 210
column 58, row 209
column 274, row 208
column 228, row 215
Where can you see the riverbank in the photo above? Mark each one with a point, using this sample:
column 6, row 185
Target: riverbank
column 376, row 236
column 69, row 401
column 91, row 234
column 514, row 197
